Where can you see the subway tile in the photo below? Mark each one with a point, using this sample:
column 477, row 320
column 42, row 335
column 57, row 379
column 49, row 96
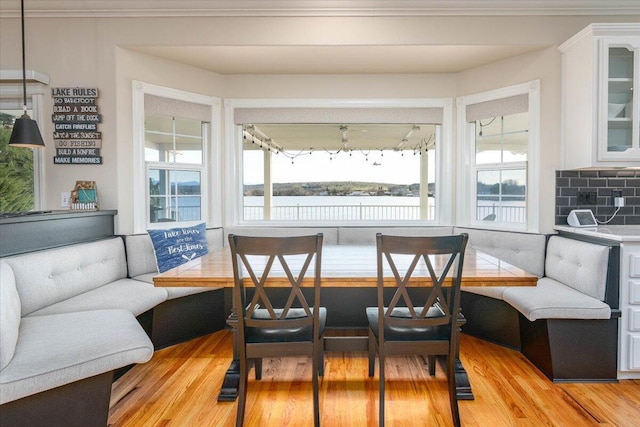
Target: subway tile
column 588, row 174
column 597, row 182
column 633, row 201
column 562, row 201
column 578, row 182
column 608, row 173
column 628, row 192
column 562, row 182
column 633, row 182
column 632, row 220
column 615, row 182
column 570, row 174
column 561, row 219
column 564, row 210
column 626, row 173
column 568, row 191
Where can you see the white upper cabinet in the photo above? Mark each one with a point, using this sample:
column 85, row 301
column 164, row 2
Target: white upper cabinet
column 600, row 97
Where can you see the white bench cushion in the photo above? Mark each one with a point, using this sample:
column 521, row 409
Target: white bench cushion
column 132, row 295
column 141, row 258
column 141, row 261
column 523, row 250
column 63, row 348
column 47, row 277
column 175, row 292
column 551, row 299
column 9, row 314
column 329, row 234
column 580, row 265
column 367, row 235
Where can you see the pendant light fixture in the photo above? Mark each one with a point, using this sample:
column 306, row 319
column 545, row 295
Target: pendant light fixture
column 25, row 130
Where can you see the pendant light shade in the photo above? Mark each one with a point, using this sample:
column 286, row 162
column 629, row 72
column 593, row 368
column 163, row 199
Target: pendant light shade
column 25, row 130
column 26, row 133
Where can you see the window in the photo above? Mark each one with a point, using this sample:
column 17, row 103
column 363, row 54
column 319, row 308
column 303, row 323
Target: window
column 17, row 192
column 499, row 140
column 175, row 138
column 20, row 168
column 299, row 166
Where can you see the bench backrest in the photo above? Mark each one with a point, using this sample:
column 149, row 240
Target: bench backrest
column 46, row 277
column 367, row 235
column 580, row 265
column 523, row 250
column 141, row 258
column 330, row 234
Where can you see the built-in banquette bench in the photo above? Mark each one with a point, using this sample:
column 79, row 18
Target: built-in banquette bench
column 568, row 324
column 572, row 310
column 72, row 316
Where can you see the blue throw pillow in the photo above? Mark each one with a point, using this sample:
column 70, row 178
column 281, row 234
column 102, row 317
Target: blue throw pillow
column 176, row 246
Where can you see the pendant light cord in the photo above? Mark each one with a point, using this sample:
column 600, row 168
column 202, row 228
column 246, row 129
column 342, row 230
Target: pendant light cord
column 24, row 70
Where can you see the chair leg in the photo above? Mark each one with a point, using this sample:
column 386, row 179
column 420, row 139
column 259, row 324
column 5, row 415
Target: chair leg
column 381, row 360
column 258, row 368
column 453, row 397
column 431, row 361
column 321, row 358
column 372, row 353
column 242, row 391
column 316, row 393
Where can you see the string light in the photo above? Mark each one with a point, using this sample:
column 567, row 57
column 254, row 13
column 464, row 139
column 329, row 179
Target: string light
column 250, row 133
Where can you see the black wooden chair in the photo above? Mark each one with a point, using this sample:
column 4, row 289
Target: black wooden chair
column 267, row 328
column 422, row 320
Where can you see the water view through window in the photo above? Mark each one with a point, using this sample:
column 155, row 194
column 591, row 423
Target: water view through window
column 339, row 172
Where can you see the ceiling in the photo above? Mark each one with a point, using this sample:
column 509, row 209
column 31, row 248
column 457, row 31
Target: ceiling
column 319, row 59
column 317, row 7
column 335, row 59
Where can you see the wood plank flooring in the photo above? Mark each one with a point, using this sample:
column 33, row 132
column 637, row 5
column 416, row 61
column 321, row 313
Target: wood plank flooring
column 179, row 387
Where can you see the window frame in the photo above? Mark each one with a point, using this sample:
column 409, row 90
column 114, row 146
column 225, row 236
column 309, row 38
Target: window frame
column 211, row 194
column 233, row 157
column 37, row 85
column 467, row 188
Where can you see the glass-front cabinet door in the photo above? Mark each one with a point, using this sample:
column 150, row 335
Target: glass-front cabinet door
column 619, row 116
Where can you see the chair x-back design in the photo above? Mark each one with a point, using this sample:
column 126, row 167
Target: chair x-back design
column 420, row 321
column 277, row 327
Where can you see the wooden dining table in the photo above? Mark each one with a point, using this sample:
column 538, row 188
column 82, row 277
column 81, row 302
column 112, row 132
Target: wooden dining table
column 349, row 279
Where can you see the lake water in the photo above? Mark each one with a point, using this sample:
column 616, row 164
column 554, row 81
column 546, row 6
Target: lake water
column 336, row 201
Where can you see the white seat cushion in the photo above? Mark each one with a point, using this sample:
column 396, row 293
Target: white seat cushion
column 551, row 299
column 132, row 295
column 9, row 314
column 63, row 348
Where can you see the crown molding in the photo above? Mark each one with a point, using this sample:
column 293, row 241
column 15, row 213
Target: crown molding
column 313, row 8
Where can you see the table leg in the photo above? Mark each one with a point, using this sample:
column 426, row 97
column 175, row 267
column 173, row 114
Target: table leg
column 231, row 382
column 463, row 387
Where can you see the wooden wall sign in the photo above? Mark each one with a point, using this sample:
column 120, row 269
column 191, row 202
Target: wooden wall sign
column 75, row 123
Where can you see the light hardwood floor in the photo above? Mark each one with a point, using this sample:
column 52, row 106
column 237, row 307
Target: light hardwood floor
column 179, row 387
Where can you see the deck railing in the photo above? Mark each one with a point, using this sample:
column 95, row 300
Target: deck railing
column 371, row 212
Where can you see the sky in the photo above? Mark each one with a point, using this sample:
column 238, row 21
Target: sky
column 388, row 167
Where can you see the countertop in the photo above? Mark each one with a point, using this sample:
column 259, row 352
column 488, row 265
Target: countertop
column 616, row 233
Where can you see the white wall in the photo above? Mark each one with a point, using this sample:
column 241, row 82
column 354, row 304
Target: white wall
column 96, row 52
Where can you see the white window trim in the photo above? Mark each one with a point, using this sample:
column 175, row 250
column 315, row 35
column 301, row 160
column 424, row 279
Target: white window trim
column 233, row 155
column 35, row 90
column 465, row 200
column 211, row 191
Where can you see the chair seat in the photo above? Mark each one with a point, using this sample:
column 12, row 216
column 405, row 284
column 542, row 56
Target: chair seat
column 305, row 333
column 394, row 333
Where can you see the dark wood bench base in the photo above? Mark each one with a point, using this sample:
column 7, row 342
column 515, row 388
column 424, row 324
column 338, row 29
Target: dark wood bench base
column 83, row 403
column 490, row 319
column 182, row 319
column 572, row 349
